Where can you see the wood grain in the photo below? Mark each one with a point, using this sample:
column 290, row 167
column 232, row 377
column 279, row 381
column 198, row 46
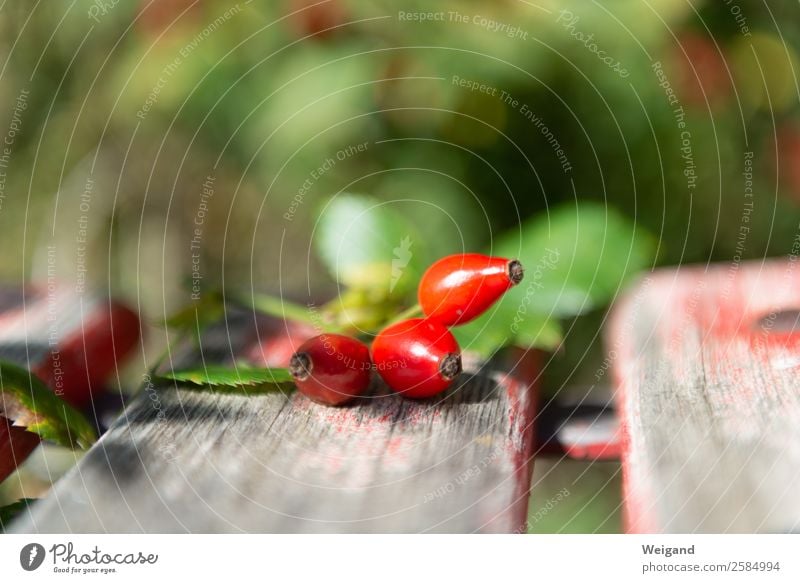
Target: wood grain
column 706, row 363
column 181, row 460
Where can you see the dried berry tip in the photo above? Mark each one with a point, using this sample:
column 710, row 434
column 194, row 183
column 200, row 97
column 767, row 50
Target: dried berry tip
column 450, row 367
column 515, row 271
column 300, row 366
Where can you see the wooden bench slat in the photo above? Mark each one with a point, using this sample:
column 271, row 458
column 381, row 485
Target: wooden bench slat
column 182, row 460
column 707, row 373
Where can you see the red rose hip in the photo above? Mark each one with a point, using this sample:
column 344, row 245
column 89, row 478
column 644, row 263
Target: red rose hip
column 459, row 288
column 418, row 358
column 331, row 368
column 16, row 444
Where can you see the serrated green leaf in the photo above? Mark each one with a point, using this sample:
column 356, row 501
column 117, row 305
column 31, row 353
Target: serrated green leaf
column 231, row 376
column 365, row 244
column 29, row 403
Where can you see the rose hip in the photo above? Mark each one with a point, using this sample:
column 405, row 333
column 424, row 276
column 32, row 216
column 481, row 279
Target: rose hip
column 459, row 288
column 86, row 359
column 331, row 369
column 16, row 445
column 418, row 358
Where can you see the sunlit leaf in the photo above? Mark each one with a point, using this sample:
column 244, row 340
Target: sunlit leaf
column 231, row 376
column 27, row 402
column 365, row 244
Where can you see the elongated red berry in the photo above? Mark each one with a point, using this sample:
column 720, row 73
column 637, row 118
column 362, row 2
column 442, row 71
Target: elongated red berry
column 418, row 358
column 459, row 288
column 331, row 368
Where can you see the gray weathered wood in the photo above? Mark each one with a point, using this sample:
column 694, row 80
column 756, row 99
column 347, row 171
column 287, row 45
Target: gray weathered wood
column 181, row 460
column 707, row 370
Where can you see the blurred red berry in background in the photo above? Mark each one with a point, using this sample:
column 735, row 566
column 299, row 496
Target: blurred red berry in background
column 701, row 71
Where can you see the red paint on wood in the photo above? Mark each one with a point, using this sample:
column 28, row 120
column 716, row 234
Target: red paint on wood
column 523, row 394
column 710, row 334
column 591, row 440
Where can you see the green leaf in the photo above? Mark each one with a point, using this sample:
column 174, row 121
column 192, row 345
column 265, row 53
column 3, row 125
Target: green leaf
column 29, row 403
column 496, row 329
column 10, row 511
column 365, row 244
column 232, row 376
column 576, row 259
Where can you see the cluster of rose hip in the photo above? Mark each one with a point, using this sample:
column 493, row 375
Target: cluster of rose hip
column 418, row 357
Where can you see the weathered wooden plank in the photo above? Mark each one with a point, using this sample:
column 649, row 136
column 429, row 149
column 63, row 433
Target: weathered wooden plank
column 180, row 460
column 707, row 367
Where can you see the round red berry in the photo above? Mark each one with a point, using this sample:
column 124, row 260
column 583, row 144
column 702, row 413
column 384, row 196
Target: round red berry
column 459, row 288
column 418, row 358
column 331, row 369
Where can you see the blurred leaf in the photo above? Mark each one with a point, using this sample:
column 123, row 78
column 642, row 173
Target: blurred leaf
column 231, row 376
column 494, row 330
column 276, row 307
column 29, row 403
column 769, row 87
column 208, row 309
column 312, row 90
column 451, row 219
column 576, row 259
column 354, row 310
column 366, row 245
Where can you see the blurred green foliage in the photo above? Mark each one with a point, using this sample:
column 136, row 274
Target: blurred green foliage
column 29, row 403
column 575, row 497
column 177, row 134
column 151, row 98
